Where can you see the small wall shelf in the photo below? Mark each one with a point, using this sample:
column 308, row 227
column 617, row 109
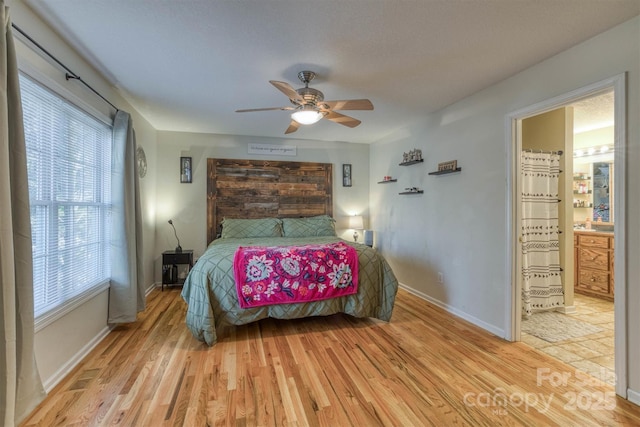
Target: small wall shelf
column 411, row 162
column 412, row 192
column 387, row 181
column 445, row 171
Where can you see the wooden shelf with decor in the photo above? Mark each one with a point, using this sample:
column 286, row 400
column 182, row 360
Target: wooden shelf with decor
column 445, row 171
column 387, row 181
column 411, row 162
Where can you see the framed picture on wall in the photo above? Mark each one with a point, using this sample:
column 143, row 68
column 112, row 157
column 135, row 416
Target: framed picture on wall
column 346, row 175
column 185, row 170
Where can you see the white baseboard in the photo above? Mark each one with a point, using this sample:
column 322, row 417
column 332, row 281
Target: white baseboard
column 446, row 307
column 633, row 396
column 569, row 309
column 59, row 375
column 154, row 285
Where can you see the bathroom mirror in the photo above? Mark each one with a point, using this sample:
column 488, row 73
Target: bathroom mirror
column 593, row 190
column 602, row 192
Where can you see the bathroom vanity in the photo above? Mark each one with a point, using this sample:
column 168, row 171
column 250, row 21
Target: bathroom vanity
column 593, row 263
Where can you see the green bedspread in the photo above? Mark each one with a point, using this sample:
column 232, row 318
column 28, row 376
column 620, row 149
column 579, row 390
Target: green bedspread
column 210, row 291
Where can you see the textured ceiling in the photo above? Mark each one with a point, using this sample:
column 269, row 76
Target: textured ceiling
column 593, row 113
column 187, row 65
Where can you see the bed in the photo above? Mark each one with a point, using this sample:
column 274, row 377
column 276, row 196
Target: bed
column 210, row 291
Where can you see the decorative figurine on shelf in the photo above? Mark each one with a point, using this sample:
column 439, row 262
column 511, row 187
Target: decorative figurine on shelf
column 412, row 189
column 414, row 155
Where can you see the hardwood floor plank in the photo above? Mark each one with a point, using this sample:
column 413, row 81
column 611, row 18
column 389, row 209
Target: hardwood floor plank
column 425, row 367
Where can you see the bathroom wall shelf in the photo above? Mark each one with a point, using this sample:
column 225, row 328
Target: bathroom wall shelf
column 387, row 181
column 445, row 171
column 411, row 162
column 412, row 192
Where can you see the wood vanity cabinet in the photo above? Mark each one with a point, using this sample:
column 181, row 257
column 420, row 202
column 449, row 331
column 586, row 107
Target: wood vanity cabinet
column 593, row 264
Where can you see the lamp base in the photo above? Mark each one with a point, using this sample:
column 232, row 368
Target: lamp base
column 178, row 249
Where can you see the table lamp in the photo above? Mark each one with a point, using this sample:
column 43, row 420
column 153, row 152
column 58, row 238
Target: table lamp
column 356, row 223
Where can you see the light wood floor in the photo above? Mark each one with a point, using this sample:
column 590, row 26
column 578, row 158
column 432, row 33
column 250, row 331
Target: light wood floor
column 425, row 367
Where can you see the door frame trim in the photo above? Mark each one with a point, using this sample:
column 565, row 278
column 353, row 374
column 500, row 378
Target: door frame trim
column 513, row 132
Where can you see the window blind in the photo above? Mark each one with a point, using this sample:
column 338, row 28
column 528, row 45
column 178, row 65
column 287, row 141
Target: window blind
column 68, row 167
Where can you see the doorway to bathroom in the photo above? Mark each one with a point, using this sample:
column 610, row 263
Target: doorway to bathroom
column 586, row 129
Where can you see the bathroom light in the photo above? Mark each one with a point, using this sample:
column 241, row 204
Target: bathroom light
column 593, row 151
column 307, row 115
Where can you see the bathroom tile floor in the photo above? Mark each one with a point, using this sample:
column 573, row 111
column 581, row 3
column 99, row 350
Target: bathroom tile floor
column 592, row 353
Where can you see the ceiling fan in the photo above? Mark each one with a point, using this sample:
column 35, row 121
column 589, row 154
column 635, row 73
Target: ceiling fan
column 309, row 105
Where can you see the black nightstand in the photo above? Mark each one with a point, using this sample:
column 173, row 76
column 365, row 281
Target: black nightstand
column 170, row 262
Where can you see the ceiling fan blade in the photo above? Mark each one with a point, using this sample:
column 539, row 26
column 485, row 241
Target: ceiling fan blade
column 293, row 126
column 264, row 109
column 349, row 104
column 287, row 90
column 342, row 119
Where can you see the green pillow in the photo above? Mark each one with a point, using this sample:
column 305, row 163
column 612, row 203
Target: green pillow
column 321, row 225
column 233, row 228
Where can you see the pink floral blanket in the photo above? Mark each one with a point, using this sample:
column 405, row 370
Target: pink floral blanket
column 294, row 274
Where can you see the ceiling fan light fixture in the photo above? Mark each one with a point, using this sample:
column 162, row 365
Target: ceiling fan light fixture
column 307, row 116
column 309, row 105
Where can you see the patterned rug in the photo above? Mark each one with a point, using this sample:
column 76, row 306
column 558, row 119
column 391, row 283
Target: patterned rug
column 552, row 326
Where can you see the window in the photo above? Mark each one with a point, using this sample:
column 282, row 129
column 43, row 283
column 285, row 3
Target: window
column 69, row 173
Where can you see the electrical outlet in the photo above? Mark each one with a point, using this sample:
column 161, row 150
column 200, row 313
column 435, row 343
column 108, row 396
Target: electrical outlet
column 440, row 277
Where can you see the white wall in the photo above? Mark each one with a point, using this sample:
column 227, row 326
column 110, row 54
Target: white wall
column 458, row 226
column 186, row 204
column 62, row 343
column 594, row 138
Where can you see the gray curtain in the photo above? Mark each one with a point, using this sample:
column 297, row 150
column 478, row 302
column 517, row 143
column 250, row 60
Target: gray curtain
column 126, row 293
column 20, row 385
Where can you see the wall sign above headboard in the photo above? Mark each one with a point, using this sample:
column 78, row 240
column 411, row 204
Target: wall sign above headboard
column 270, row 149
column 239, row 188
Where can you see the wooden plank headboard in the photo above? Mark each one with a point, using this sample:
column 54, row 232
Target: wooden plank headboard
column 263, row 188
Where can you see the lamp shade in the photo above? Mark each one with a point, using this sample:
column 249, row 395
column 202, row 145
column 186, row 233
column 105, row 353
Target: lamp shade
column 356, row 222
column 307, row 115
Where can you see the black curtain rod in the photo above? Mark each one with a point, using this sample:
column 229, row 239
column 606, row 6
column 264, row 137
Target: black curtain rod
column 69, row 74
column 531, row 150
